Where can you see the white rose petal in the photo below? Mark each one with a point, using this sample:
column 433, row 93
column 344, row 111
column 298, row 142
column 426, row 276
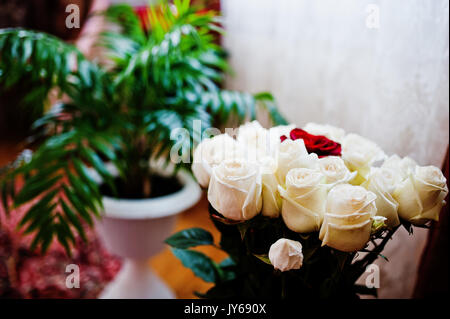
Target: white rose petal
column 303, row 200
column 293, row 154
column 360, row 153
column 275, row 134
column 348, row 218
column 401, row 166
column 235, row 189
column 211, row 152
column 333, row 133
column 271, row 205
column 286, row 254
column 254, row 140
column 382, row 182
column 421, row 195
column 431, row 175
column 334, row 170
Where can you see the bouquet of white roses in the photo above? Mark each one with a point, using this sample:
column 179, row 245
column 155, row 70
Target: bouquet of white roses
column 302, row 212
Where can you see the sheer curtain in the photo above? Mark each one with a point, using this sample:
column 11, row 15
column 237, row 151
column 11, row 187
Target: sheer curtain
column 377, row 68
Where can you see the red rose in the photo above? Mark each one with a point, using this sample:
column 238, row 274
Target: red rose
column 297, row 133
column 323, row 146
column 318, row 144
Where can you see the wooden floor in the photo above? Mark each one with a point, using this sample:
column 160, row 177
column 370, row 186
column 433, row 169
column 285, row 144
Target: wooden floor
column 180, row 279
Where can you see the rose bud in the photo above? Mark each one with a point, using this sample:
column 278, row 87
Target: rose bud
column 235, row 189
column 286, row 254
column 348, row 219
column 421, row 195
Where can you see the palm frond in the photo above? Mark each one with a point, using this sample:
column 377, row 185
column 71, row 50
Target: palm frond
column 59, row 184
column 166, row 79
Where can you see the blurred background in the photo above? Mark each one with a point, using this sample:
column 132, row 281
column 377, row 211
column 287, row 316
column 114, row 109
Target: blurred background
column 377, row 68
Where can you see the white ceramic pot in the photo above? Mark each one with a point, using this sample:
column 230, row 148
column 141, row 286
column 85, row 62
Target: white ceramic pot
column 136, row 230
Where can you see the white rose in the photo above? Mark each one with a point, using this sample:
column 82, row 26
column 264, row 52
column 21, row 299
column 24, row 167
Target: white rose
column 235, row 189
column 254, row 139
column 402, row 166
column 293, row 154
column 334, row 170
column 211, row 152
column 348, row 218
column 333, row 133
column 271, row 204
column 286, row 254
column 360, row 153
column 274, row 136
column 421, row 195
column 382, row 182
column 303, row 200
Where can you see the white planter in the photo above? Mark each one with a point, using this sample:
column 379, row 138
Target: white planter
column 136, row 230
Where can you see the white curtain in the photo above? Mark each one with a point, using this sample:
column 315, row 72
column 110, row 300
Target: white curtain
column 377, row 68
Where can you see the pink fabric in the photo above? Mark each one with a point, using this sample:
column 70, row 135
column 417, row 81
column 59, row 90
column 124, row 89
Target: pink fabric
column 28, row 274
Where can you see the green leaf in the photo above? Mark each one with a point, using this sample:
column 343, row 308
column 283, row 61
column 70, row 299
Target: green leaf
column 71, row 216
column 263, row 258
column 228, row 271
column 43, row 172
column 83, row 173
column 27, row 50
column 227, row 262
column 37, row 60
column 82, row 192
column 78, row 205
column 200, row 264
column 41, row 220
column 44, row 236
column 64, row 229
column 99, row 166
column 268, row 102
column 103, row 148
column 84, row 71
column 7, row 191
column 190, row 238
column 62, row 238
column 30, row 191
column 36, row 209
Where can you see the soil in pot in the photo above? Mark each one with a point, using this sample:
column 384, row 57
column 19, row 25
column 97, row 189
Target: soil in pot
column 161, row 186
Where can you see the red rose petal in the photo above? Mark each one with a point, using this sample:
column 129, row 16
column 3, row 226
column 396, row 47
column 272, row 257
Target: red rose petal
column 318, row 144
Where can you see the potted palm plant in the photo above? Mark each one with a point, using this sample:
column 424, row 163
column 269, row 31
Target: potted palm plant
column 94, row 153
